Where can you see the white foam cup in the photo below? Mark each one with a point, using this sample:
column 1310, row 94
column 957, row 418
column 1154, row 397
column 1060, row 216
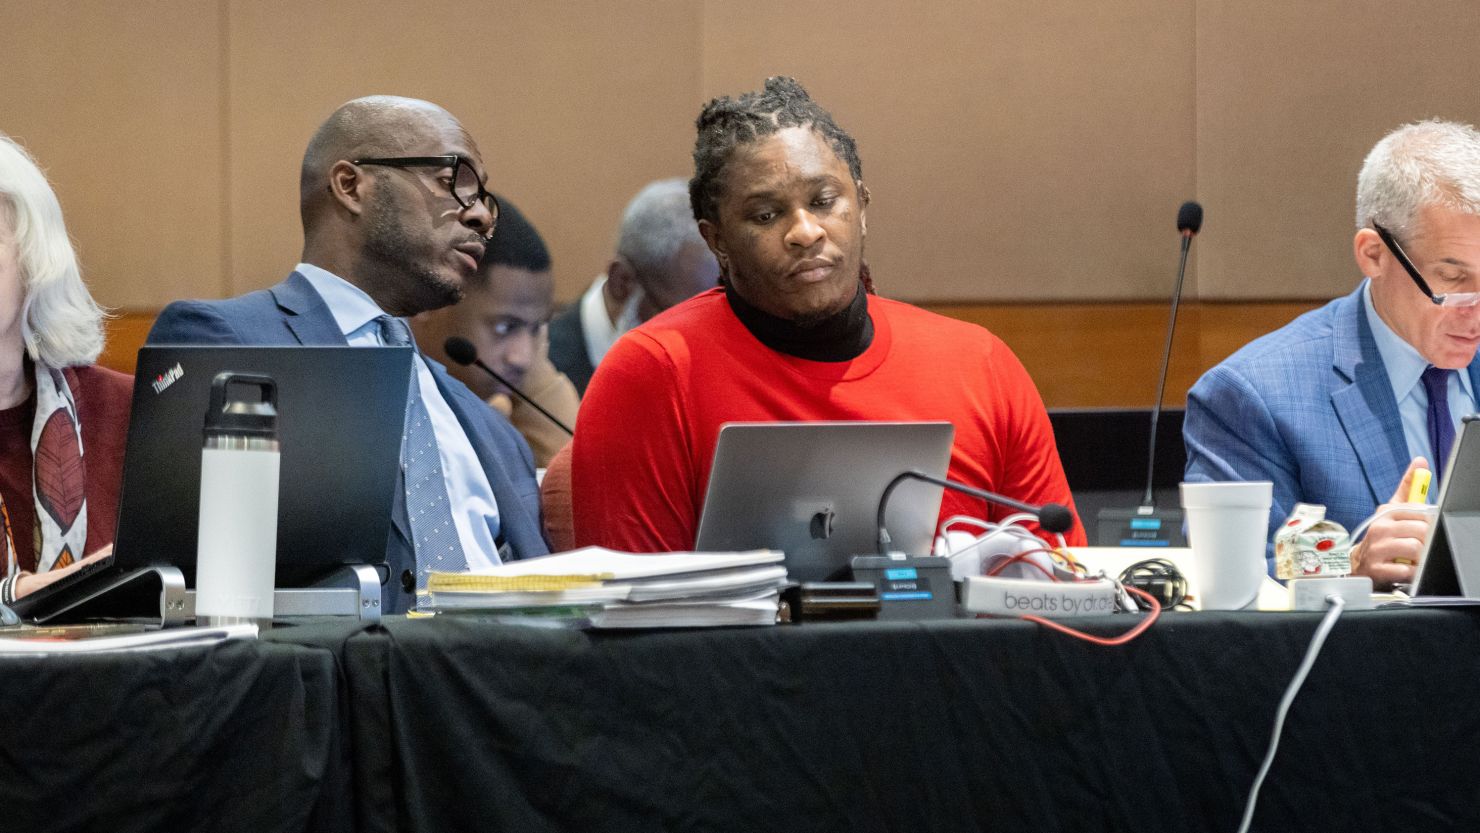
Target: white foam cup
column 1227, row 525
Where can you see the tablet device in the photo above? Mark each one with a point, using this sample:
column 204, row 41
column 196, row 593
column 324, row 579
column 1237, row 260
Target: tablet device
column 1451, row 561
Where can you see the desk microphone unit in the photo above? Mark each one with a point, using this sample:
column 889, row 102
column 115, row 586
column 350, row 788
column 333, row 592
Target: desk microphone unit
column 1146, row 525
column 921, row 587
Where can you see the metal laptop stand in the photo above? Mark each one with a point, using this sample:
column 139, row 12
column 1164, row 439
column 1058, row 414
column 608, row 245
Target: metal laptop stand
column 141, row 594
column 350, row 591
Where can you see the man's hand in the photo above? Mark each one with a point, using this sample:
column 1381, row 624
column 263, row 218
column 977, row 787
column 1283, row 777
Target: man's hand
column 31, row 582
column 1394, row 542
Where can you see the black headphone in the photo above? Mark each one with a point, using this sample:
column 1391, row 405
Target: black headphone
column 1158, row 577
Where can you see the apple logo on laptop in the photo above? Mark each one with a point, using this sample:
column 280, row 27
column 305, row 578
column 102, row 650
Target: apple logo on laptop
column 822, row 524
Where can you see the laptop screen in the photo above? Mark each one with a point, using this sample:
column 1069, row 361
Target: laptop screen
column 340, row 414
column 812, row 489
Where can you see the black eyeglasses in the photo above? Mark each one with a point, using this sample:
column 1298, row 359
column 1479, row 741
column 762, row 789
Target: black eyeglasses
column 1451, row 299
column 465, row 186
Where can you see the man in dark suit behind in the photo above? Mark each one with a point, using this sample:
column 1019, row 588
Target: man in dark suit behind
column 395, row 217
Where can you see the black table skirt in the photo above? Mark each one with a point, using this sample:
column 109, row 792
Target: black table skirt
column 458, row 724
column 241, row 736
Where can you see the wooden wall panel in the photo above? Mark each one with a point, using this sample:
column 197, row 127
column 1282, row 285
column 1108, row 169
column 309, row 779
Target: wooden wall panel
column 575, row 105
column 121, row 104
column 1016, row 151
column 1109, row 355
column 1079, row 355
column 1290, row 97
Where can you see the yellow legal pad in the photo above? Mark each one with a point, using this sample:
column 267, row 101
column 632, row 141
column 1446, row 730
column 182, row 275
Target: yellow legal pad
column 438, row 582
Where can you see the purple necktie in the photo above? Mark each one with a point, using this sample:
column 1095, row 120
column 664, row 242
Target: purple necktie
column 1441, row 424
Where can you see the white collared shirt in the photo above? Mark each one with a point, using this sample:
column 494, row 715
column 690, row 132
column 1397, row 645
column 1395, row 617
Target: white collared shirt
column 1405, row 367
column 474, row 510
column 597, row 326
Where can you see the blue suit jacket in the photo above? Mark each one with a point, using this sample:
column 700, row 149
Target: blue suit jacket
column 1308, row 407
column 293, row 313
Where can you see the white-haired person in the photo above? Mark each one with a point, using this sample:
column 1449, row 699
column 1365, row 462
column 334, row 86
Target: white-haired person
column 62, row 419
column 1340, row 406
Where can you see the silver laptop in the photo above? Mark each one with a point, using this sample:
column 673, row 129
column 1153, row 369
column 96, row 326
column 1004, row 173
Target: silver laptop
column 812, row 489
column 1451, row 561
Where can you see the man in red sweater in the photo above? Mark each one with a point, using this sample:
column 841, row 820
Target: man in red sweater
column 794, row 334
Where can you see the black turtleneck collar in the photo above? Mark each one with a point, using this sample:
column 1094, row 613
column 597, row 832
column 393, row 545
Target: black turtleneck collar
column 838, row 338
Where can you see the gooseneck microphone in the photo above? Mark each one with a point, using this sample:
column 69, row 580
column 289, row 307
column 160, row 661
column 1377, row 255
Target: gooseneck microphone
column 1189, row 223
column 1145, row 525
column 1053, row 517
column 464, row 353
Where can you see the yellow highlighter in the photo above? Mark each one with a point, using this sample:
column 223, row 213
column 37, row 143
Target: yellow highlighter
column 1418, row 492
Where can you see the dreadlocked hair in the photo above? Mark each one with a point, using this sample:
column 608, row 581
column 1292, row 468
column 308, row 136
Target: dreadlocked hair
column 726, row 124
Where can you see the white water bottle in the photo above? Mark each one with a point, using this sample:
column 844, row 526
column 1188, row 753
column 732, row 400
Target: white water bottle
column 236, row 548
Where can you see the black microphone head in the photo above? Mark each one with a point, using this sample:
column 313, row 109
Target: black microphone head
column 1189, row 217
column 1055, row 517
column 460, row 350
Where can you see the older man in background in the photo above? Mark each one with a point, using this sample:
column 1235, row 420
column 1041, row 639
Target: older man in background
column 660, row 260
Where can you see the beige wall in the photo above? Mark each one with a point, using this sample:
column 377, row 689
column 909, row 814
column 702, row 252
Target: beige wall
column 1016, row 151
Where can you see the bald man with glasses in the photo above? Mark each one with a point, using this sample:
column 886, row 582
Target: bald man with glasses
column 1342, row 405
column 396, row 218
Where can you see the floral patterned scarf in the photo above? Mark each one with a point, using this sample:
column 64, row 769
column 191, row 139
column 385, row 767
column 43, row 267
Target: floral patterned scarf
column 58, row 478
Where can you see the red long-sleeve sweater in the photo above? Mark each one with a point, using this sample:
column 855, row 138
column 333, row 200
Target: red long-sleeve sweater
column 649, row 422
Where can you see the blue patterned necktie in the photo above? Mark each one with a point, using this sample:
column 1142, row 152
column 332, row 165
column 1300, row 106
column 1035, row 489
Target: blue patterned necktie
column 1441, row 424
column 433, row 533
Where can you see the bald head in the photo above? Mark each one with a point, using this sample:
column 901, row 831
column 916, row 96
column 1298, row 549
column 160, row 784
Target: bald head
column 378, row 205
column 376, row 125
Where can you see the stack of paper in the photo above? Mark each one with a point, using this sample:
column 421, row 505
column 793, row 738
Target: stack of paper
column 53, row 640
column 618, row 589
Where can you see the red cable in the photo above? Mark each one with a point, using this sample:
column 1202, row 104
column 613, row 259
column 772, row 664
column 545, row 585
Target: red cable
column 1022, row 558
column 1129, row 635
column 1139, row 629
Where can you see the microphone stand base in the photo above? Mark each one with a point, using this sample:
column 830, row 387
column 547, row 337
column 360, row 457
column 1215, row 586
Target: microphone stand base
column 1140, row 526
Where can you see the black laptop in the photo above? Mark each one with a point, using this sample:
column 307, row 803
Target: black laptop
column 340, row 416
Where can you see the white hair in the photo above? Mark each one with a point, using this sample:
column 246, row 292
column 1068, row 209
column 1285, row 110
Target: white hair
column 656, row 226
column 60, row 322
column 1421, row 164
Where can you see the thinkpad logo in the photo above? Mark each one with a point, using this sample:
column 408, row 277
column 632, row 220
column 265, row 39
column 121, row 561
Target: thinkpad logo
column 167, row 378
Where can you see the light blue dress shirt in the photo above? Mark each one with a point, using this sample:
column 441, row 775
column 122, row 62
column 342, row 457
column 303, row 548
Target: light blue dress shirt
column 1405, row 367
column 474, row 510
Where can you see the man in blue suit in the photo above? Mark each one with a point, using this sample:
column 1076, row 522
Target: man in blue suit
column 1343, row 404
column 395, row 217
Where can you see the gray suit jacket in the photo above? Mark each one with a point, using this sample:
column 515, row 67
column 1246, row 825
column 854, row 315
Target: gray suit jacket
column 293, row 313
